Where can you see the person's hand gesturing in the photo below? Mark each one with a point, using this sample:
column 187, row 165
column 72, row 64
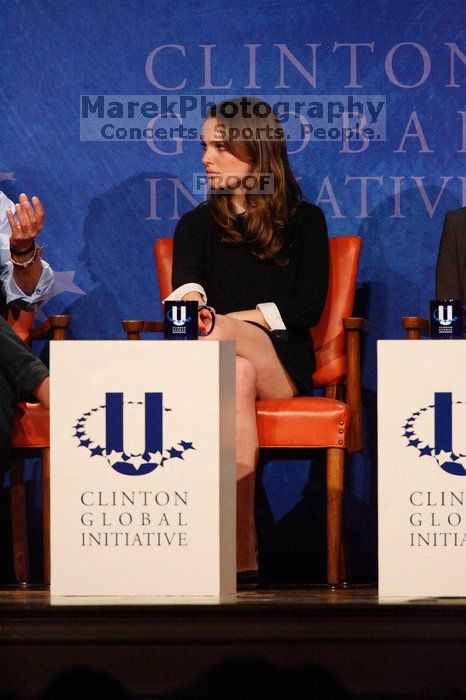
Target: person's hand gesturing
column 30, row 216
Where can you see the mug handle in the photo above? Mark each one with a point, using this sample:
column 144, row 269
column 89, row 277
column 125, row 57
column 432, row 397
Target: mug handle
column 212, row 314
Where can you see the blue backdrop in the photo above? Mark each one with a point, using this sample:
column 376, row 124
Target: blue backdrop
column 107, row 202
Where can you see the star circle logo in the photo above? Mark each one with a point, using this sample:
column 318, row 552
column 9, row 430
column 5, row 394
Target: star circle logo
column 102, row 433
column 417, row 430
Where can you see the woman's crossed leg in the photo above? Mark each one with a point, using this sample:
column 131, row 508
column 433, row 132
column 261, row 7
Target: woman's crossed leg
column 259, row 375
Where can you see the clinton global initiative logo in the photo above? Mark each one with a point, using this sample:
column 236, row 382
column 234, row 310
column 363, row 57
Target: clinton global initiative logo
column 178, row 315
column 444, row 315
column 129, row 434
column 439, row 431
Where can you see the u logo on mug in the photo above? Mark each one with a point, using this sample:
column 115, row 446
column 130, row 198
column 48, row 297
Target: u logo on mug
column 181, row 320
column 177, row 315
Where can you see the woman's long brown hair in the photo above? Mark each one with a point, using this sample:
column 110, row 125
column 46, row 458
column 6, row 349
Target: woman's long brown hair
column 265, row 152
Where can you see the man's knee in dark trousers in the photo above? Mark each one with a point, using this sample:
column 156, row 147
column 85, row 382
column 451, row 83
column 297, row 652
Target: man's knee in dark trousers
column 21, row 372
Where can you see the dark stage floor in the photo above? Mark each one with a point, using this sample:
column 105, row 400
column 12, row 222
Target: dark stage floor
column 377, row 649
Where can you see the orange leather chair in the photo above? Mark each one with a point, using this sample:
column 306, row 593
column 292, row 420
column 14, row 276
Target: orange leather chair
column 30, row 437
column 332, row 421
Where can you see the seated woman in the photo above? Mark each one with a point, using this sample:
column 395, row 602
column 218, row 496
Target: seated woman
column 261, row 260
column 25, row 281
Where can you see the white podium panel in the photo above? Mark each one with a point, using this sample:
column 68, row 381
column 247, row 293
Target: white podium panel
column 143, row 474
column 422, row 467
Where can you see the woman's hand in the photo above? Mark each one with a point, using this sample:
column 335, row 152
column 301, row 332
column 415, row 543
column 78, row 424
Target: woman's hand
column 204, row 320
column 194, row 296
column 30, row 220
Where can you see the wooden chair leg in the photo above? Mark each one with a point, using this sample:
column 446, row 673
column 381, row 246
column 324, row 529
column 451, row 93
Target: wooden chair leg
column 18, row 520
column 46, row 512
column 335, row 478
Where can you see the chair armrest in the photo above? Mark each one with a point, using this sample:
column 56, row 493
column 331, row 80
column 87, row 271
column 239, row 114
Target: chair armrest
column 353, row 328
column 415, row 326
column 133, row 329
column 351, row 323
column 56, row 326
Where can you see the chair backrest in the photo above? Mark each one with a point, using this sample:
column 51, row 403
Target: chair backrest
column 163, row 251
column 328, row 335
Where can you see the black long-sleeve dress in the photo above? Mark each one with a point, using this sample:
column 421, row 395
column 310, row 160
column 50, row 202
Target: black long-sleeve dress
column 236, row 280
